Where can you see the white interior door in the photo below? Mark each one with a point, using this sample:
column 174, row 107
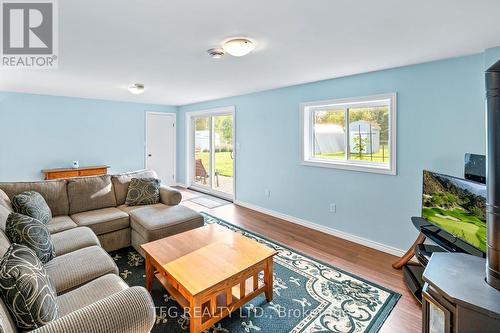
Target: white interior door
column 160, row 145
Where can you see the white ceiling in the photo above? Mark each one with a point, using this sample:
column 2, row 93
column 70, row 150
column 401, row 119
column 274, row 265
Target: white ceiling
column 106, row 45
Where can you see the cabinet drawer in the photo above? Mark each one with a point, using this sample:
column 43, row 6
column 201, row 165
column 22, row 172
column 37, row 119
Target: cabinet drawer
column 92, row 172
column 62, row 174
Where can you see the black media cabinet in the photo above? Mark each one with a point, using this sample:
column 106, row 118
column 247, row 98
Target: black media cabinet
column 445, row 242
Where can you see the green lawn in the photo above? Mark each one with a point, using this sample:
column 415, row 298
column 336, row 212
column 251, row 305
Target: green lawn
column 376, row 157
column 223, row 162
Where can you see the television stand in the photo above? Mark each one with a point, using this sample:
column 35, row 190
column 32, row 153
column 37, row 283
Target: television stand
column 412, row 271
column 410, row 253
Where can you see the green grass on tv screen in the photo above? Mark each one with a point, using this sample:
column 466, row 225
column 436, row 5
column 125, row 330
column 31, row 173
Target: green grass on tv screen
column 460, row 223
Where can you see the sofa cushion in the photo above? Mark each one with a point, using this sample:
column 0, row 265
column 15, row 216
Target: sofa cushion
column 7, row 323
column 143, row 191
column 115, row 240
column 5, row 201
column 170, row 196
column 76, row 268
column 26, row 288
column 74, row 239
column 159, row 221
column 89, row 293
column 89, row 193
column 61, row 223
column 128, row 209
column 25, row 230
column 31, row 203
column 102, row 221
column 4, row 214
column 4, row 243
column 53, row 191
column 121, row 182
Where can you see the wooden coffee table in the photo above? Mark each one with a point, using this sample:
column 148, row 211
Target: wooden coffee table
column 210, row 271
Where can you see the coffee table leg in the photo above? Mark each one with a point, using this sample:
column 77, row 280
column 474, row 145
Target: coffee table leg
column 150, row 273
column 195, row 316
column 268, row 279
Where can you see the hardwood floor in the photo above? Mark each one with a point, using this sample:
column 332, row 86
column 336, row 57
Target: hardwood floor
column 360, row 260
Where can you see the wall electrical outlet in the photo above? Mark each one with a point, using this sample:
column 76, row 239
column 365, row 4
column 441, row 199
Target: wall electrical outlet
column 267, row 193
column 333, row 208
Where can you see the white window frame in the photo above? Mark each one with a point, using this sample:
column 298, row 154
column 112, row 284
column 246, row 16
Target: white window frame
column 307, row 135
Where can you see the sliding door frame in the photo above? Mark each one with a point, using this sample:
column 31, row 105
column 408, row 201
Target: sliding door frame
column 190, row 158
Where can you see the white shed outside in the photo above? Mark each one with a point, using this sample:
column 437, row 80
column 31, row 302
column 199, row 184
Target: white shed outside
column 369, row 134
column 328, row 138
column 202, row 140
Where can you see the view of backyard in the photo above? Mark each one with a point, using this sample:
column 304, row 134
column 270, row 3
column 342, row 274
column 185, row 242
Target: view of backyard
column 352, row 133
column 214, row 143
column 223, row 162
column 381, row 156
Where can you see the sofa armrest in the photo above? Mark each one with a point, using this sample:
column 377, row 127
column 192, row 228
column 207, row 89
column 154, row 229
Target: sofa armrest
column 131, row 310
column 169, row 196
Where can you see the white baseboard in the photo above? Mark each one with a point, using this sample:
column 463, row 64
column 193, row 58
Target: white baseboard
column 327, row 230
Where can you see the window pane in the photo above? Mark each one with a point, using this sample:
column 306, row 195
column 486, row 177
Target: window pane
column 329, row 134
column 369, row 134
column 202, row 151
column 223, row 159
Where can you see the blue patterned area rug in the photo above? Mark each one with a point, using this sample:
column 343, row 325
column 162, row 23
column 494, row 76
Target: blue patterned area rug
column 309, row 296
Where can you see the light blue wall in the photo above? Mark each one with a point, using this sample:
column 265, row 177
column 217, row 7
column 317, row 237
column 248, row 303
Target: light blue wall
column 39, row 131
column 440, row 117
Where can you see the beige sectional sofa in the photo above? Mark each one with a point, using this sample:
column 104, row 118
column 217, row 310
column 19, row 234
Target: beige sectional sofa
column 89, row 218
column 91, row 297
column 99, row 203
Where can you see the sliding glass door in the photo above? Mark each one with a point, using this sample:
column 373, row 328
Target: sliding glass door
column 202, row 151
column 213, row 154
column 223, row 156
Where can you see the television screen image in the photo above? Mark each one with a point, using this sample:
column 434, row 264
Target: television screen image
column 457, row 206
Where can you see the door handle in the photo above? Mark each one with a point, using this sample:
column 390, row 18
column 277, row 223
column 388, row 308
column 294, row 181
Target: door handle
column 149, row 155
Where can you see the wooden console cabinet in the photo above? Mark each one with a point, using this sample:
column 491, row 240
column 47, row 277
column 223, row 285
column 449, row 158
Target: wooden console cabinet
column 62, row 173
column 456, row 297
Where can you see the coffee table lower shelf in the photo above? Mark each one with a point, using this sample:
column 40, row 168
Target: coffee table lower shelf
column 211, row 311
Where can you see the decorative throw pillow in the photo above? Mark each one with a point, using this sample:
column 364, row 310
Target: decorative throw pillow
column 143, row 191
column 25, row 230
column 32, row 204
column 26, row 288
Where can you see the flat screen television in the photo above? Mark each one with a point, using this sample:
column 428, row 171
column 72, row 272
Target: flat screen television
column 456, row 205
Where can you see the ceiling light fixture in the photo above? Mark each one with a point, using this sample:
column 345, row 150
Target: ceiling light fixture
column 238, row 47
column 136, row 88
column 216, row 53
